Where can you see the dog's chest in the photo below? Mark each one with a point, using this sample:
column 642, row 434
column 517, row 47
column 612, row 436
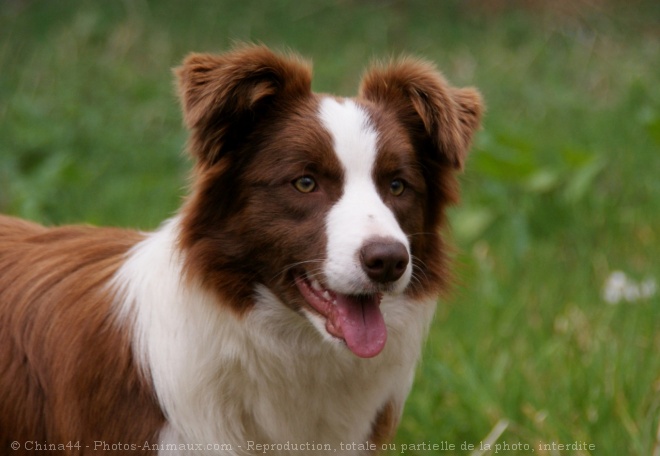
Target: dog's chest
column 274, row 386
column 265, row 377
column 295, row 389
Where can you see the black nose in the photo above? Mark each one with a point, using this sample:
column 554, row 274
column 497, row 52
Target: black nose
column 384, row 260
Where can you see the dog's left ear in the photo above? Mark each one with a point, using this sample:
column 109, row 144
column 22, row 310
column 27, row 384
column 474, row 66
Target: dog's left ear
column 447, row 116
column 224, row 95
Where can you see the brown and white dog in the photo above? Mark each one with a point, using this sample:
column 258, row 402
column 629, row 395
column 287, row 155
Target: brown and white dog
column 284, row 305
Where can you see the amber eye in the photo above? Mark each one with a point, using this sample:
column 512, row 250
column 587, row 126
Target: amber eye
column 397, row 187
column 305, row 184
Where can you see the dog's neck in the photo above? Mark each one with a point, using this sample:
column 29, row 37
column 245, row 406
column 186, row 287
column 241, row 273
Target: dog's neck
column 267, row 374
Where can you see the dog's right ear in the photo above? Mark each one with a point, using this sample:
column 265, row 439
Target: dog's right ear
column 224, row 95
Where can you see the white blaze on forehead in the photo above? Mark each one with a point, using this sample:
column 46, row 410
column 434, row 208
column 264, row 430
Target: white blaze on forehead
column 360, row 214
column 354, row 139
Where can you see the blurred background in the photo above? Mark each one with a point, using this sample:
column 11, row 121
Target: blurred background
column 552, row 333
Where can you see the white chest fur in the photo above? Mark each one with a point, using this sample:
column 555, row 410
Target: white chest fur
column 268, row 377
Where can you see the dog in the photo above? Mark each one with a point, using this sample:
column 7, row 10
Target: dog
column 282, row 309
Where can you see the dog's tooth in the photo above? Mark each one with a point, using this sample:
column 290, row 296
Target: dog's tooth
column 316, row 285
column 327, row 296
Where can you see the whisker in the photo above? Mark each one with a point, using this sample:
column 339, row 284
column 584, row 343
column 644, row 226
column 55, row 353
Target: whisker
column 422, row 233
column 420, row 265
column 288, row 267
column 309, row 274
column 415, row 279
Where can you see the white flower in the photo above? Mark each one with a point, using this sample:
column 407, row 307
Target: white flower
column 614, row 288
column 618, row 287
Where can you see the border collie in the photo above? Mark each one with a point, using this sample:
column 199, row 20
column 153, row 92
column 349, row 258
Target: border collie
column 282, row 309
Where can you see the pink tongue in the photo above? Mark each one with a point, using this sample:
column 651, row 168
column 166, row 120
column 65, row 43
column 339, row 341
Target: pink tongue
column 362, row 324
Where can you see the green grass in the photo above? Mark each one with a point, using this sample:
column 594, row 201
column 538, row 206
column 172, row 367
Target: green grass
column 562, row 187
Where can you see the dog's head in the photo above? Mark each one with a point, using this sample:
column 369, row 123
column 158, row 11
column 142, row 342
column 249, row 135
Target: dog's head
column 330, row 203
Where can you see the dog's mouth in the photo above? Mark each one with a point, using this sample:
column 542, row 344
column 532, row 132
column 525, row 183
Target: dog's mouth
column 355, row 319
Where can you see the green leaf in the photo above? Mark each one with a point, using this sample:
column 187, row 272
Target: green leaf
column 578, row 185
column 470, row 224
column 653, row 129
column 542, row 181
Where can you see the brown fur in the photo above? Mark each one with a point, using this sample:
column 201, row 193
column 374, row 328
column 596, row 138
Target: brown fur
column 240, row 118
column 238, row 105
column 222, row 95
column 419, row 93
column 67, row 369
column 384, row 426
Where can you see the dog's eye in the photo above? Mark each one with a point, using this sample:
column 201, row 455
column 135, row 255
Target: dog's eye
column 397, row 187
column 305, row 184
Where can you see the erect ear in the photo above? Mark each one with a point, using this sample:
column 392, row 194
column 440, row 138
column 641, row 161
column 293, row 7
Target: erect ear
column 223, row 95
column 424, row 101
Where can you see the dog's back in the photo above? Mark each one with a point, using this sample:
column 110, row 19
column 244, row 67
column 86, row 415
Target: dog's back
column 57, row 334
column 13, row 229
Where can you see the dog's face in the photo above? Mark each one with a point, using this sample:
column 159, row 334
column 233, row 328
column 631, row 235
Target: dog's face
column 330, row 203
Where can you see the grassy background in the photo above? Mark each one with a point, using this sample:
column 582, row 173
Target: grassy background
column 561, row 190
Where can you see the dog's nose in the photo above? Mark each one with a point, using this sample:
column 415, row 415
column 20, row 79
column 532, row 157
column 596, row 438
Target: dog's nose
column 384, row 260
